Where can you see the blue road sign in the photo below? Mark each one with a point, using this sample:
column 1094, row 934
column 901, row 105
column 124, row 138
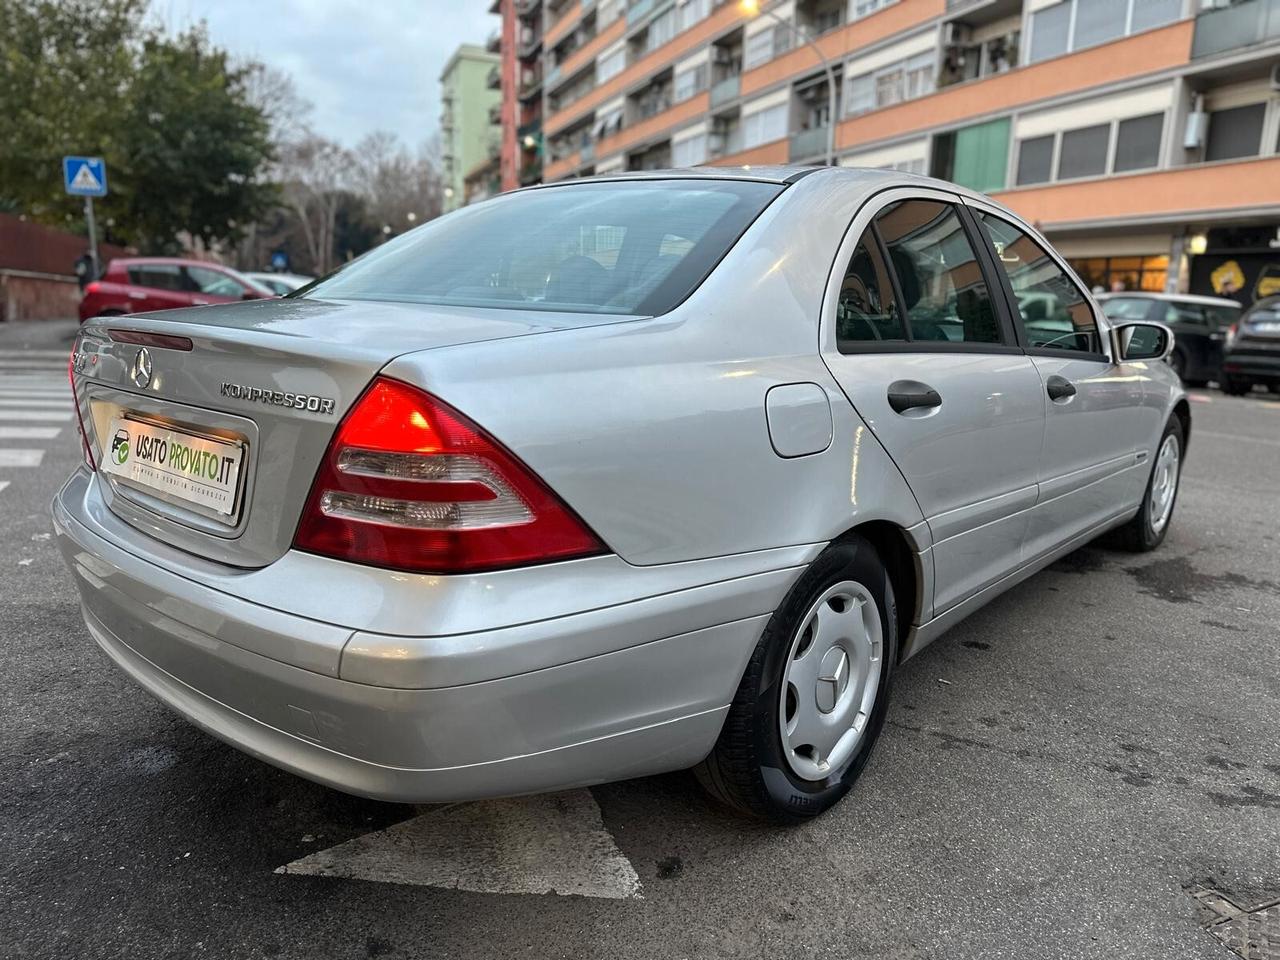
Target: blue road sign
column 279, row 260
column 84, row 176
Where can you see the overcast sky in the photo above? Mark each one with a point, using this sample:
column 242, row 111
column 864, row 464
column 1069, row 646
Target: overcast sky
column 365, row 65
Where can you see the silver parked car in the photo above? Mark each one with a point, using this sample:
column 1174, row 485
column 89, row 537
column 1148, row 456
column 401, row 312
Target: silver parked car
column 602, row 479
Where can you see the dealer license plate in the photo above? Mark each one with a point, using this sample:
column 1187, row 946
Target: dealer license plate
column 188, row 467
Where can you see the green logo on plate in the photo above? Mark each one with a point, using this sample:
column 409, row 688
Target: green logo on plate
column 120, row 446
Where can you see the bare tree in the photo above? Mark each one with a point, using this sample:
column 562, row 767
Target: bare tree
column 314, row 173
column 274, row 93
column 400, row 189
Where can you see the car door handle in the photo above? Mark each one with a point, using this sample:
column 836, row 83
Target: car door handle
column 906, row 395
column 1060, row 388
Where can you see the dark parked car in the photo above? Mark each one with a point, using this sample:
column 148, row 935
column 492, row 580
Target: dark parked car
column 1199, row 324
column 137, row 284
column 1252, row 351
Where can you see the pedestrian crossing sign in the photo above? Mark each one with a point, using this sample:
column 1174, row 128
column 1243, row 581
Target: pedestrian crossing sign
column 84, row 176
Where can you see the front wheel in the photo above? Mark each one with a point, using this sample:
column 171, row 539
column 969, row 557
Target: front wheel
column 1148, row 528
column 813, row 698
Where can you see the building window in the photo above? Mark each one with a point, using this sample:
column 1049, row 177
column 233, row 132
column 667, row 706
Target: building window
column 689, row 152
column 692, row 11
column 610, row 65
column 661, row 30
column 1122, row 273
column 690, row 81
column 904, row 80
column 862, row 8
column 1236, row 132
column 759, row 49
column 1138, row 142
column 974, row 157
column 1035, row 160
column 1076, row 24
column 764, row 126
column 1084, row 152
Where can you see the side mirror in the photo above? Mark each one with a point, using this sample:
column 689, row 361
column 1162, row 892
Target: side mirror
column 1141, row 341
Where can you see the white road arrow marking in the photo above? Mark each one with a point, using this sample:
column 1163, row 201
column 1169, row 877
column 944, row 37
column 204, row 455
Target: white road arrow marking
column 554, row 843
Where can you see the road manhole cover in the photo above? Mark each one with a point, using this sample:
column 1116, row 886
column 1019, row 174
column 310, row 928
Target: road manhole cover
column 1253, row 932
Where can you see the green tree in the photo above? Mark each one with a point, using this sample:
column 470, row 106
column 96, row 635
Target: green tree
column 196, row 149
column 186, row 148
column 65, row 67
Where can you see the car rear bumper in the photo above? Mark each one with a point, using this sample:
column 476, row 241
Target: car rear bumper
column 654, row 703
column 1263, row 366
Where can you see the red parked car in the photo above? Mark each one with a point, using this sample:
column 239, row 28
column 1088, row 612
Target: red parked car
column 138, row 284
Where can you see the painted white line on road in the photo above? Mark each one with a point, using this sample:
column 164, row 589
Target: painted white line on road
column 29, row 433
column 7, row 414
column 37, row 402
column 21, row 458
column 3, row 484
column 552, row 843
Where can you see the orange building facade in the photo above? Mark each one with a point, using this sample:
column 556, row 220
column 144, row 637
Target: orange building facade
column 1143, row 136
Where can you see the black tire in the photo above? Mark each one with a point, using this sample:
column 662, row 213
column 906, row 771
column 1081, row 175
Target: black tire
column 1139, row 535
column 1234, row 387
column 747, row 769
column 1197, row 384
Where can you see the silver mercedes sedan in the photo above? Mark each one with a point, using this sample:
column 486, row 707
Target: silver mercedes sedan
column 601, row 479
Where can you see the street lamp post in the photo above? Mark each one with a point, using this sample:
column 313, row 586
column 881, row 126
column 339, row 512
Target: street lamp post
column 752, row 8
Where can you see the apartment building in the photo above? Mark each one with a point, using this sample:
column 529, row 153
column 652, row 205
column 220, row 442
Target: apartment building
column 519, row 42
column 1143, row 136
column 470, row 122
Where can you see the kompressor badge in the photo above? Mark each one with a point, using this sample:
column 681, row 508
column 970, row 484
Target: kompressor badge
column 278, row 398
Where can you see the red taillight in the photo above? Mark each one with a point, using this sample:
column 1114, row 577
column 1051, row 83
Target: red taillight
column 409, row 483
column 92, row 287
column 75, row 402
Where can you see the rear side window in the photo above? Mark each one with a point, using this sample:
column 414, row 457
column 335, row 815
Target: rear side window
column 158, row 276
column 214, row 282
column 630, row 248
column 945, row 297
column 866, row 311
column 1054, row 312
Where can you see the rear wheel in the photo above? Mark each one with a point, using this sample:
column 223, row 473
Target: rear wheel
column 813, row 698
column 1148, row 528
column 1235, row 387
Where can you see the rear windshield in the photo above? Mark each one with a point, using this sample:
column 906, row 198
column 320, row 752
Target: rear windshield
column 633, row 248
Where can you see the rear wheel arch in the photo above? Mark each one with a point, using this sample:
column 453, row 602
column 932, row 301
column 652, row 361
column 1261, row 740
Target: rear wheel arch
column 896, row 552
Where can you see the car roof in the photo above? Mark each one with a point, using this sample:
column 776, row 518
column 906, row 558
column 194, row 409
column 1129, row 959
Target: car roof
column 1179, row 297
column 782, row 174
column 166, row 261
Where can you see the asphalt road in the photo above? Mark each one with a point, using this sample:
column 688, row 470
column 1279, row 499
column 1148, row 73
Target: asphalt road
column 1056, row 775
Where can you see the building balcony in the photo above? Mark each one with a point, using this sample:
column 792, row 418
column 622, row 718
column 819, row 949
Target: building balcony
column 494, row 80
column 525, row 7
column 726, row 90
column 530, row 85
column 494, row 43
column 530, row 173
column 808, row 144
column 530, row 42
column 495, row 114
column 1231, row 28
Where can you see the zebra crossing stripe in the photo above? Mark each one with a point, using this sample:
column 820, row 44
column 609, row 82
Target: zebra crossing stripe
column 36, row 414
column 20, row 458
column 29, row 433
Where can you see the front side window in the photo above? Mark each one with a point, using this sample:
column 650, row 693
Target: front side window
column 1055, row 313
column 944, row 293
column 631, row 249
column 866, row 311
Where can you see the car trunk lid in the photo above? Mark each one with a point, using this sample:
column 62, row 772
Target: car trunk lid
column 263, row 384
